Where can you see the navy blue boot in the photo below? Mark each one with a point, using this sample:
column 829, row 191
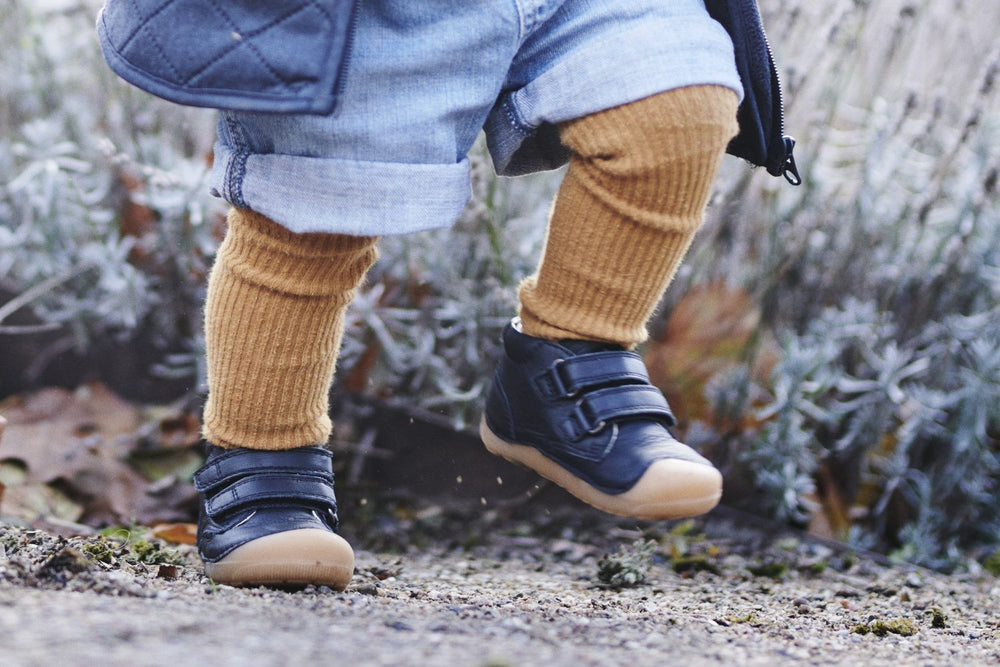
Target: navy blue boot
column 584, row 415
column 269, row 518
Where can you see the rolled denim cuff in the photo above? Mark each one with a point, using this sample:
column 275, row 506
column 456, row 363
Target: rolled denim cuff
column 332, row 195
column 699, row 53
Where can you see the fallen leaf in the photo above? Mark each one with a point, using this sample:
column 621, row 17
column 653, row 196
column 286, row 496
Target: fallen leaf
column 54, row 430
column 711, row 330
column 176, row 533
column 78, row 439
column 161, row 463
column 32, row 501
column 167, row 500
column 180, row 431
column 62, row 527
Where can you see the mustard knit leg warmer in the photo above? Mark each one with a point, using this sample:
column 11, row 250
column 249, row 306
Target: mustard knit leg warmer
column 274, row 317
column 634, row 195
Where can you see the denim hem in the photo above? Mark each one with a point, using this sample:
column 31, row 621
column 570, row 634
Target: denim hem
column 331, row 195
column 705, row 57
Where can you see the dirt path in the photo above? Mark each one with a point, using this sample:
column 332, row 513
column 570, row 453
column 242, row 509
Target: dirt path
column 715, row 593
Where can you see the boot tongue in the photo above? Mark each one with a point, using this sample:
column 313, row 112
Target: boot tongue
column 589, row 346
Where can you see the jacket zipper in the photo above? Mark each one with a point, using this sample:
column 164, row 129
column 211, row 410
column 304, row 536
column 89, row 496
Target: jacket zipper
column 788, row 168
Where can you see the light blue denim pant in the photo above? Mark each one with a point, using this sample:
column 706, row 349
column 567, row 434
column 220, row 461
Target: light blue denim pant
column 426, row 76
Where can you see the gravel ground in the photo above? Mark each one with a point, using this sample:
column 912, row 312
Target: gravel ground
column 566, row 589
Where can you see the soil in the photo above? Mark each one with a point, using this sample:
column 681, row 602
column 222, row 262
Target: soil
column 517, row 586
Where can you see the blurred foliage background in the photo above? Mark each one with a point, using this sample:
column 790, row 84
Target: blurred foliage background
column 835, row 348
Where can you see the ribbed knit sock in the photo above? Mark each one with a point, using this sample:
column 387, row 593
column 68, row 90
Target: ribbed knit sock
column 274, row 318
column 633, row 197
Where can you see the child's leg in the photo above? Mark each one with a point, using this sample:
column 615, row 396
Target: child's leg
column 631, row 202
column 274, row 319
column 568, row 399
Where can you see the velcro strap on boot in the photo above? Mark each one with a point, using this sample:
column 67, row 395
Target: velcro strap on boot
column 568, row 377
column 597, row 409
column 237, row 463
column 276, row 488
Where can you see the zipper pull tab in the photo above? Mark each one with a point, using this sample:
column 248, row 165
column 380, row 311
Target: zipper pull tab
column 788, row 168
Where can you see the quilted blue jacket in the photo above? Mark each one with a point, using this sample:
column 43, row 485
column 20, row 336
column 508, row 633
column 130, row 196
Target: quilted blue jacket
column 248, row 55
column 260, row 55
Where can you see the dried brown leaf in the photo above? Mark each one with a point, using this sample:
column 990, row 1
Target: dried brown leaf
column 176, row 533
column 79, row 439
column 55, row 431
column 709, row 331
column 179, row 431
column 33, row 501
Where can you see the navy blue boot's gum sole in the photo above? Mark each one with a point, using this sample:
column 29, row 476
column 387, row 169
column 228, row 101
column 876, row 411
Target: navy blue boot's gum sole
column 668, row 489
column 291, row 558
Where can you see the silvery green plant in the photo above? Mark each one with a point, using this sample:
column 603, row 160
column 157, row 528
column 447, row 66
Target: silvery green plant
column 879, row 275
column 76, row 146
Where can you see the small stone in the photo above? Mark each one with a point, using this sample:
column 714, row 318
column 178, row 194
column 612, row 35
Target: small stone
column 399, row 625
column 938, row 619
column 63, row 565
column 367, row 588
